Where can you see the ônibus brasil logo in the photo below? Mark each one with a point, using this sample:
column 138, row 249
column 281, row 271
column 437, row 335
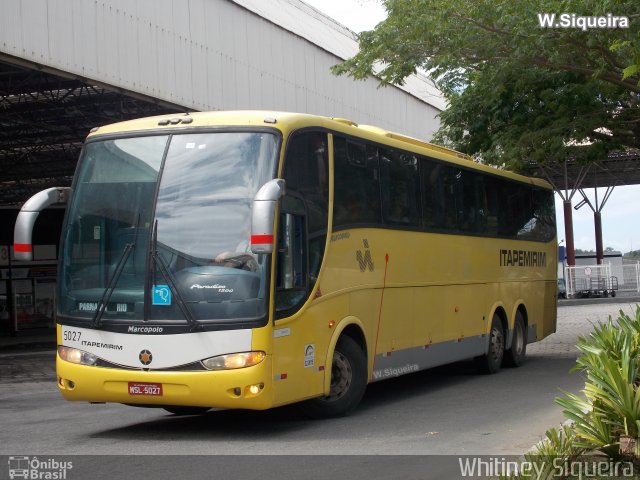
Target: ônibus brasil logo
column 34, row 468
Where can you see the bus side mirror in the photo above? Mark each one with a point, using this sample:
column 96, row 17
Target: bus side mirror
column 22, row 232
column 263, row 215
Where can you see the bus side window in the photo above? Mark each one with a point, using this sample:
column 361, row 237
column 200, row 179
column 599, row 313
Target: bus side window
column 491, row 188
column 400, row 188
column 306, row 171
column 432, row 188
column 544, row 214
column 453, row 198
column 357, row 184
column 516, row 209
column 474, row 218
column 303, row 223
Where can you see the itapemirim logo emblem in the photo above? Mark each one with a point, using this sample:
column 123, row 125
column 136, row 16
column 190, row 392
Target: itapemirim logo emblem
column 34, row 468
column 365, row 261
column 145, row 357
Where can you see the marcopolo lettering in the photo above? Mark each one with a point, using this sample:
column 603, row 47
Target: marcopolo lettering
column 522, row 258
column 134, row 329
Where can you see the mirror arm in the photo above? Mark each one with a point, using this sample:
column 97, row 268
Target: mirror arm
column 23, row 230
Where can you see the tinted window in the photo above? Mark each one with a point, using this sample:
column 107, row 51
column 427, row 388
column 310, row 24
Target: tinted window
column 516, row 211
column 544, row 215
column 420, row 192
column 433, row 194
column 400, row 189
column 306, row 172
column 303, row 223
column 453, row 198
column 357, row 186
column 474, row 214
column 459, row 200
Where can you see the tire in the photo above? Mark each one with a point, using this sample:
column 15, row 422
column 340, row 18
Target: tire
column 613, row 293
column 348, row 382
column 180, row 411
column 491, row 361
column 515, row 356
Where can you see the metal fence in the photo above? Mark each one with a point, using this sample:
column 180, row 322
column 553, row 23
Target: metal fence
column 598, row 280
column 585, row 281
column 630, row 281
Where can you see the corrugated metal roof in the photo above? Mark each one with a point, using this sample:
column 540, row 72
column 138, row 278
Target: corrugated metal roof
column 309, row 23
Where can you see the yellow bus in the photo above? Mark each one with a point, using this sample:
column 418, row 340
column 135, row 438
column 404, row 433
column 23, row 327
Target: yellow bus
column 256, row 259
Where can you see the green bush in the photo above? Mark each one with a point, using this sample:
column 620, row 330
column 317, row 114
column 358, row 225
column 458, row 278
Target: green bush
column 559, row 446
column 610, row 405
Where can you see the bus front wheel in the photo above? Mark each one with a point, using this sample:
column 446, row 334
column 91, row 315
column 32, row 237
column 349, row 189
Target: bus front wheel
column 348, row 382
column 514, row 357
column 491, row 361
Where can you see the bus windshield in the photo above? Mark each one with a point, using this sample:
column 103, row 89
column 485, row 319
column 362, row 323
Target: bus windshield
column 159, row 227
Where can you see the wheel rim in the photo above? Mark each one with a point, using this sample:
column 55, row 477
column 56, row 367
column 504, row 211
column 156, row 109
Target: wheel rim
column 341, row 376
column 518, row 341
column 497, row 345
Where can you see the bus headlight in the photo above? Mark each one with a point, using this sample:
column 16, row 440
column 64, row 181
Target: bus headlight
column 74, row 355
column 233, row 360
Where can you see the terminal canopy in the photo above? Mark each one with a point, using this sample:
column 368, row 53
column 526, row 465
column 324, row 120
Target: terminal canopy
column 618, row 169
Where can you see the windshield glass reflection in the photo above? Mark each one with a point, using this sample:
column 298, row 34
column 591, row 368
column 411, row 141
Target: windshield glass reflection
column 203, row 218
column 193, row 259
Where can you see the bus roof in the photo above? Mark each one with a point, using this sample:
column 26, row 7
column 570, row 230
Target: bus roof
column 287, row 122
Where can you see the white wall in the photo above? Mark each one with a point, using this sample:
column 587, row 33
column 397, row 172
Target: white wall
column 213, row 55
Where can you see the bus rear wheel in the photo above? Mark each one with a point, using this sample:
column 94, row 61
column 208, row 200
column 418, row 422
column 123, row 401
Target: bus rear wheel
column 491, row 361
column 348, row 382
column 514, row 357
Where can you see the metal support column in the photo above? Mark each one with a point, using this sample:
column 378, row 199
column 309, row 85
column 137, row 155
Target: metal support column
column 568, row 232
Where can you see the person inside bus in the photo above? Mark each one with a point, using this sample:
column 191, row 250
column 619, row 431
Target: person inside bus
column 240, row 258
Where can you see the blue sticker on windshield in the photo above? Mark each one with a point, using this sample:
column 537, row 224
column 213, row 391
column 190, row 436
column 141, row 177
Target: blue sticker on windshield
column 161, row 295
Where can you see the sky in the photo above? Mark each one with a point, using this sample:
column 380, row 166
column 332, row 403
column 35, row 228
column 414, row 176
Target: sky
column 621, row 213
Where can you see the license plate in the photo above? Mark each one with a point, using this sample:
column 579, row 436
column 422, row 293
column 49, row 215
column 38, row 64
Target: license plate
column 153, row 389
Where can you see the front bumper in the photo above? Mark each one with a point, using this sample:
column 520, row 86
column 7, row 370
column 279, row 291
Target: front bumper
column 215, row 389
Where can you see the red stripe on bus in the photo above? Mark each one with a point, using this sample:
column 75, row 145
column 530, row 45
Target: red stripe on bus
column 22, row 247
column 261, row 239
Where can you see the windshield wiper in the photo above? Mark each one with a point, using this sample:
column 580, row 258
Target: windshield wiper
column 168, row 276
column 111, row 286
column 113, row 280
